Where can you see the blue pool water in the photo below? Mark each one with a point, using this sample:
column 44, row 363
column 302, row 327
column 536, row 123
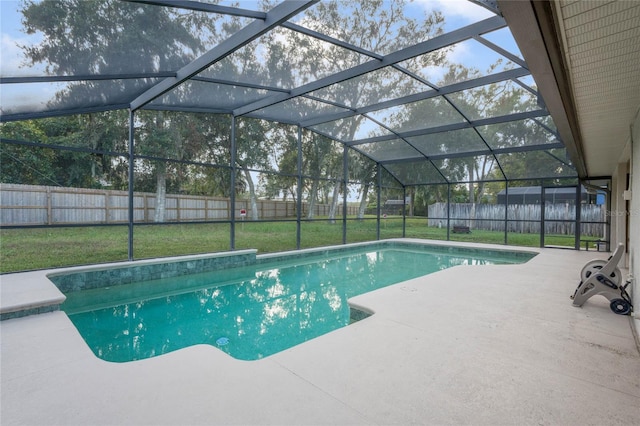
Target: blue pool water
column 249, row 312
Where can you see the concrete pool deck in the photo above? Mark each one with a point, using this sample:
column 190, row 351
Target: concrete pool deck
column 467, row 345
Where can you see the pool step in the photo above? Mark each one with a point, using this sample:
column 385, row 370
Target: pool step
column 28, row 293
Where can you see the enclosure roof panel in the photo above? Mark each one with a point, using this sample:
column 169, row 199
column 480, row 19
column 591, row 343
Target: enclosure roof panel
column 430, row 92
column 416, row 172
column 372, row 88
column 520, row 133
column 451, row 142
column 407, row 19
column 540, row 163
column 476, row 103
column 116, row 37
column 353, row 128
column 253, row 63
column 395, row 149
column 205, row 94
column 463, row 62
column 454, row 168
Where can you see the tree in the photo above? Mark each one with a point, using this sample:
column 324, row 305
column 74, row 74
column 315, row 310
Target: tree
column 285, row 157
column 364, row 171
column 255, row 140
column 23, row 164
column 109, row 37
column 101, row 132
column 373, row 25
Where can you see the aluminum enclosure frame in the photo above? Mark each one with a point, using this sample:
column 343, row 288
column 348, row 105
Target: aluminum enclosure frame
column 279, row 17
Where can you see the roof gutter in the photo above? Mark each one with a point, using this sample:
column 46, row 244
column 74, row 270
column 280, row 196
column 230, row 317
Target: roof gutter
column 535, row 28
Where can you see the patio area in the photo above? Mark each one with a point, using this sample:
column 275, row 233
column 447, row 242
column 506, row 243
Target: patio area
column 468, row 345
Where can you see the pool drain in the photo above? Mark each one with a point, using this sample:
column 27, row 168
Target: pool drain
column 222, row 341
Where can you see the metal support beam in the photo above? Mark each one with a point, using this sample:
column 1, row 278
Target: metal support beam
column 299, row 190
column 448, row 211
column 328, row 39
column 506, row 210
column 84, row 77
column 204, row 7
column 345, row 181
column 501, row 51
column 5, row 118
column 275, row 17
column 404, row 211
column 379, row 189
column 498, row 151
column 130, row 216
column 491, row 5
column 232, row 191
column 224, row 82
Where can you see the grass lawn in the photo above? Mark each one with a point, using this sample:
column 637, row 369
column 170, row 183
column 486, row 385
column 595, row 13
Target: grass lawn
column 29, row 249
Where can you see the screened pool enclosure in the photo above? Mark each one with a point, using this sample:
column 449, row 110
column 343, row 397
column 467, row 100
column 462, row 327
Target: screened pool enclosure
column 135, row 129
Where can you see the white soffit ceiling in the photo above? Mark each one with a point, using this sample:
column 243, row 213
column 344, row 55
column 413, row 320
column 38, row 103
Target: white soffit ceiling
column 601, row 41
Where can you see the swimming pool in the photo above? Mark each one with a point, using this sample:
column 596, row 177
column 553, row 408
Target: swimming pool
column 253, row 311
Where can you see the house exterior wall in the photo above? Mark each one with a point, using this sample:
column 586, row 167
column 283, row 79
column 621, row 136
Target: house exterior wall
column 634, row 217
column 623, row 214
column 619, row 210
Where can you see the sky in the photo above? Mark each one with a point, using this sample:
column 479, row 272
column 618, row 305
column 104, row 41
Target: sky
column 458, row 13
column 10, row 55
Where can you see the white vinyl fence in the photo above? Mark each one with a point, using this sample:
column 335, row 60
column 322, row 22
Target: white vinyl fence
column 522, row 218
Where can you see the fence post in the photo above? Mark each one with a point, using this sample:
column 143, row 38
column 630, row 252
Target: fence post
column 49, row 210
column 145, row 211
column 106, row 206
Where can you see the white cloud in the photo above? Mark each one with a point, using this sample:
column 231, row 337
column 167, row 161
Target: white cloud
column 30, row 97
column 461, row 10
column 459, row 54
column 19, row 97
column 11, row 57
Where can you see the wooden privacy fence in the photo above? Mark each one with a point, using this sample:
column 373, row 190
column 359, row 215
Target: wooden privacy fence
column 521, row 218
column 51, row 205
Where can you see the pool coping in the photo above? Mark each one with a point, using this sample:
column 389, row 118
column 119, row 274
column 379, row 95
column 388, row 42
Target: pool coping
column 36, row 292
